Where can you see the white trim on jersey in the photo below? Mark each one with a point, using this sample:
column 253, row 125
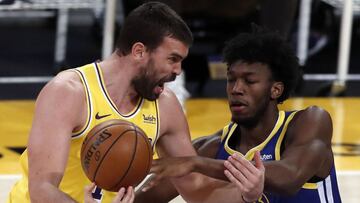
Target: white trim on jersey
column 89, row 103
column 325, row 196
column 329, row 190
column 321, row 192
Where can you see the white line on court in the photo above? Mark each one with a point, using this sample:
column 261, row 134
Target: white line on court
column 9, row 177
column 36, row 79
column 348, row 173
column 354, row 77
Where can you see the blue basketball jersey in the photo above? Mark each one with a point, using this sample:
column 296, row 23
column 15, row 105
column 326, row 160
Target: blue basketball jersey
column 323, row 191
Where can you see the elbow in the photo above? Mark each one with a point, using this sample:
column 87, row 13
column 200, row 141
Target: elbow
column 34, row 189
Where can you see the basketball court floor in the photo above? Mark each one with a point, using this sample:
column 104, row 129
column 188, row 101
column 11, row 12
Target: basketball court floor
column 205, row 117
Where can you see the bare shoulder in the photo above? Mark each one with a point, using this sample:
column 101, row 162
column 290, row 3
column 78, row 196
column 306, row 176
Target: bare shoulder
column 65, row 94
column 172, row 117
column 169, row 104
column 314, row 112
column 312, row 122
column 168, row 97
column 66, row 82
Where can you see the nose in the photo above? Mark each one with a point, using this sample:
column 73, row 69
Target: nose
column 177, row 68
column 238, row 87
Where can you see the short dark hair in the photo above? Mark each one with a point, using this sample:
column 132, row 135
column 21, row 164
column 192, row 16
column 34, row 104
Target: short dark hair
column 149, row 24
column 264, row 46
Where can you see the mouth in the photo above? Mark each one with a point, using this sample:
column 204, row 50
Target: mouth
column 161, row 85
column 238, row 105
column 159, row 88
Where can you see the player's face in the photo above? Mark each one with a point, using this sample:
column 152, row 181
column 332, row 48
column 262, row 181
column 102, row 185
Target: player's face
column 249, row 91
column 163, row 66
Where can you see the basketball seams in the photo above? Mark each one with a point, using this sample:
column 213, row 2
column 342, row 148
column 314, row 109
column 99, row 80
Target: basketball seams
column 132, row 159
column 107, row 151
column 94, row 134
column 135, row 157
column 149, row 149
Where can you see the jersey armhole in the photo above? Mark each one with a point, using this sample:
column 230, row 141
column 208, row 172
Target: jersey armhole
column 80, row 132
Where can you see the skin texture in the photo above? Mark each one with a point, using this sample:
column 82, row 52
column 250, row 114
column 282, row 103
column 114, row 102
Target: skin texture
column 123, row 196
column 308, row 144
column 252, row 95
column 61, row 110
column 165, row 191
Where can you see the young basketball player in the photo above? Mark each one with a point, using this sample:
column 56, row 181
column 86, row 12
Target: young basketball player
column 294, row 145
column 128, row 85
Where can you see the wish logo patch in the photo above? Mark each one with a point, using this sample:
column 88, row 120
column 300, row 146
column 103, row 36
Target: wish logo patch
column 149, row 119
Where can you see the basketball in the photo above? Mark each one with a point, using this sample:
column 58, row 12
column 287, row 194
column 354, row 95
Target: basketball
column 115, row 154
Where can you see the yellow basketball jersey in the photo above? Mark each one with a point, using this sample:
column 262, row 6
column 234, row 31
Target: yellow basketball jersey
column 100, row 108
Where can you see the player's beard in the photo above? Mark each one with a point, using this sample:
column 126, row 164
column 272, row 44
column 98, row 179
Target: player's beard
column 251, row 120
column 146, row 81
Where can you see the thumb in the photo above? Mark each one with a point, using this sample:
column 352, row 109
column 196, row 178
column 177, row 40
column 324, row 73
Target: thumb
column 89, row 188
column 258, row 162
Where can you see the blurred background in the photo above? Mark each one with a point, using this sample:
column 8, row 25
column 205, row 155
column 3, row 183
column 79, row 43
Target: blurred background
column 39, row 38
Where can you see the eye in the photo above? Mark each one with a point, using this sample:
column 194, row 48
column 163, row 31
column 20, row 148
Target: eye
column 173, row 59
column 231, row 79
column 250, row 81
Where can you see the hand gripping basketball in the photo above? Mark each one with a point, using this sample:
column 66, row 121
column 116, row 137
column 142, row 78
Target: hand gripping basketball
column 115, row 154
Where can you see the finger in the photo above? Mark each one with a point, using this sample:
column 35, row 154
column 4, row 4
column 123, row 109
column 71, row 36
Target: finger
column 132, row 195
column 234, row 180
column 237, row 174
column 240, row 164
column 258, row 162
column 129, row 196
column 89, row 188
column 247, row 168
column 245, row 171
column 155, row 169
column 87, row 193
column 119, row 195
column 149, row 185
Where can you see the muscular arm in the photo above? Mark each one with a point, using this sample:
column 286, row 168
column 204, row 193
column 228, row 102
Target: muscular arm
column 175, row 142
column 206, row 146
column 307, row 153
column 56, row 115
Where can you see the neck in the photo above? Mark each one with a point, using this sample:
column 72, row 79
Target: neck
column 261, row 129
column 118, row 72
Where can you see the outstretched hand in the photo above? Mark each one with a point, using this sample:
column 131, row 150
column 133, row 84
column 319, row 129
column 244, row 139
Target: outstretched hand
column 170, row 167
column 122, row 196
column 247, row 177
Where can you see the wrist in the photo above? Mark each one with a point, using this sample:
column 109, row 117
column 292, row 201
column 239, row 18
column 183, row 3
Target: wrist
column 245, row 200
column 195, row 164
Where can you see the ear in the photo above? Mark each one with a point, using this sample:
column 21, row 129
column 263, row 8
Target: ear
column 277, row 90
column 138, row 50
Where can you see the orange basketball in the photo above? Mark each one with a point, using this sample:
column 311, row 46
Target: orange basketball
column 115, row 154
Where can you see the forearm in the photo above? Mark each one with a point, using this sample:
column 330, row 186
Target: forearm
column 210, row 191
column 226, row 192
column 46, row 192
column 162, row 193
column 210, row 167
column 281, row 179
